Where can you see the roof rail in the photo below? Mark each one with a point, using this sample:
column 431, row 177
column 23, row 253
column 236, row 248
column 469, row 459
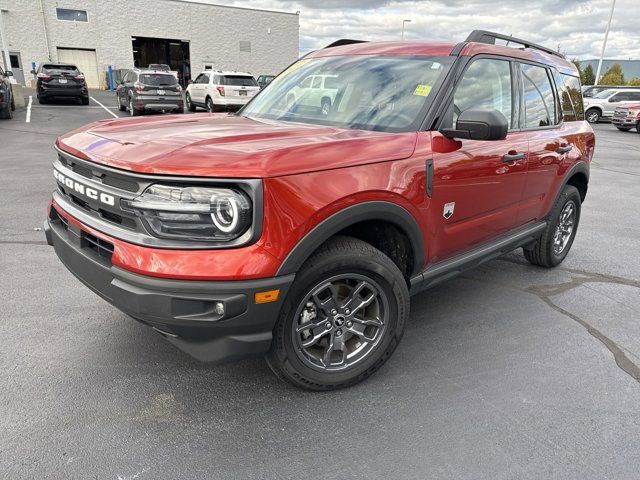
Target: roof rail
column 484, row 36
column 344, row 41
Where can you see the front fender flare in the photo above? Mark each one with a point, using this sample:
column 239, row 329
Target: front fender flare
column 373, row 210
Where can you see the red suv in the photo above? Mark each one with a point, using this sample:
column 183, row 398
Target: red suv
column 299, row 227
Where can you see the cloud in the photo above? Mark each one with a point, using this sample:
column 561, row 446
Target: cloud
column 576, row 26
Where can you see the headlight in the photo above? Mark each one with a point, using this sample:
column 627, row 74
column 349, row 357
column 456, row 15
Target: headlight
column 633, row 112
column 193, row 213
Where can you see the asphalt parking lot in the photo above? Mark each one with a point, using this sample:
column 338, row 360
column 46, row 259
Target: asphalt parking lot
column 507, row 372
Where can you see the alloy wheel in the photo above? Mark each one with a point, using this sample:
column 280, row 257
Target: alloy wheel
column 564, row 228
column 340, row 322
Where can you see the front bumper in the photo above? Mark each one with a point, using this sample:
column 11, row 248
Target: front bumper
column 625, row 121
column 184, row 311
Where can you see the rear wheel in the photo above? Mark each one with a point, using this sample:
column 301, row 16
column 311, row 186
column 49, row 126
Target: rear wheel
column 42, row 101
column 190, row 106
column 13, row 102
column 132, row 110
column 210, row 106
column 554, row 244
column 121, row 107
column 85, row 100
column 592, row 115
column 325, row 106
column 342, row 319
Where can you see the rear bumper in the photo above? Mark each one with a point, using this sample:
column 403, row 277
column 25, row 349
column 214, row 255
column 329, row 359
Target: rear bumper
column 183, row 311
column 159, row 104
column 44, row 92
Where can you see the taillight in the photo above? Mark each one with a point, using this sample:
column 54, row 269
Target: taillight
column 43, row 75
column 220, row 91
column 138, row 87
column 79, row 77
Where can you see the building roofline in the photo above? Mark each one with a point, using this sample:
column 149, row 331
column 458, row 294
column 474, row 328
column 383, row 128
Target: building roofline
column 207, row 4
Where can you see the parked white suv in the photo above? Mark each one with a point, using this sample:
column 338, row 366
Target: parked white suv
column 317, row 91
column 604, row 103
column 219, row 91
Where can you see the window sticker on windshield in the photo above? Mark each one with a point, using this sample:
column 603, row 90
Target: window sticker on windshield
column 422, row 90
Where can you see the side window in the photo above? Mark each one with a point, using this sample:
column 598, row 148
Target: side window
column 485, row 84
column 619, row 97
column 634, row 96
column 202, row 78
column 572, row 91
column 317, row 82
column 306, row 83
column 539, row 99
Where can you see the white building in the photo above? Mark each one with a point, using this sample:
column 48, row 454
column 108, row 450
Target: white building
column 188, row 35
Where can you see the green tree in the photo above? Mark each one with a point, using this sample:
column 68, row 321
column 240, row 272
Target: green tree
column 613, row 76
column 635, row 81
column 587, row 77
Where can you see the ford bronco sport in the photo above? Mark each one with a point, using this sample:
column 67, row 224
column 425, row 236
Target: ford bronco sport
column 299, row 232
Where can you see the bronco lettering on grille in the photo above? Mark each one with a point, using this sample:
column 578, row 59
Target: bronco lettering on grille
column 78, row 187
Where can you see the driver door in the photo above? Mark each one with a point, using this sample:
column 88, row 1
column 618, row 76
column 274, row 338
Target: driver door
column 478, row 185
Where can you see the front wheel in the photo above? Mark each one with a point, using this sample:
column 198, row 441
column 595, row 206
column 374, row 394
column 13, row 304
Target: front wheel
column 343, row 318
column 554, row 244
column 624, row 129
column 592, row 115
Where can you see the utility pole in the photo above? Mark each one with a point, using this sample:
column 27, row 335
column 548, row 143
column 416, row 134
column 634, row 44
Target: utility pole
column 403, row 22
column 604, row 44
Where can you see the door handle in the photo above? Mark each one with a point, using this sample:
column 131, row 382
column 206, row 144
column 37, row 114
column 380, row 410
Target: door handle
column 564, row 148
column 512, row 157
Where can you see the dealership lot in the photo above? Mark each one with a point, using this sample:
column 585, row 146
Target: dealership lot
column 507, row 372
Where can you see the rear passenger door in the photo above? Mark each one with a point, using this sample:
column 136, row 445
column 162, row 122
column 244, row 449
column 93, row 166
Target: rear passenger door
column 477, row 185
column 551, row 139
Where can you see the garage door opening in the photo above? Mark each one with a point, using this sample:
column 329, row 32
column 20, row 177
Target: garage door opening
column 174, row 53
column 86, row 62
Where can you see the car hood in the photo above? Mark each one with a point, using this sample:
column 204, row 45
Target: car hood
column 206, row 145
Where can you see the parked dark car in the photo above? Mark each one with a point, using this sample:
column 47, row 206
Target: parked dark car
column 159, row 67
column 61, row 80
column 142, row 91
column 264, row 80
column 7, row 102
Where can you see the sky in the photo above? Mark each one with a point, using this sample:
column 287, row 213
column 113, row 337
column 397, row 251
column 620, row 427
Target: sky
column 576, row 26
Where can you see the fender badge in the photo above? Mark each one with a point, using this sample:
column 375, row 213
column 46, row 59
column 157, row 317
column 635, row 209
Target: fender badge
column 448, row 209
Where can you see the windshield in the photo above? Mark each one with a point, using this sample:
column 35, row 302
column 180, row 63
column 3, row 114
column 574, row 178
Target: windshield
column 603, row 94
column 158, row 80
column 384, row 93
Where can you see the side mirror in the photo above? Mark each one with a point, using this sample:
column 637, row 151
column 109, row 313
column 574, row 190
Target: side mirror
column 479, row 124
column 190, row 82
column 32, row 71
column 8, row 73
column 613, row 100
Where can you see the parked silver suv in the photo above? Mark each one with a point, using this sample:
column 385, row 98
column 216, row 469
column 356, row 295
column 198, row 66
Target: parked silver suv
column 604, row 103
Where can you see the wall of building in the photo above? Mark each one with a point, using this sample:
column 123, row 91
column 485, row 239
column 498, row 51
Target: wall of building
column 214, row 32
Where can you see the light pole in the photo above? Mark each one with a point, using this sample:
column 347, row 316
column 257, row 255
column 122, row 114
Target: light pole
column 604, row 44
column 403, row 22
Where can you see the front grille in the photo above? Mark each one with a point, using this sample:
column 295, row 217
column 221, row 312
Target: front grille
column 101, row 247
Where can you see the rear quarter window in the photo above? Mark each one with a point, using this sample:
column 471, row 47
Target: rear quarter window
column 539, row 97
column 572, row 106
column 60, row 68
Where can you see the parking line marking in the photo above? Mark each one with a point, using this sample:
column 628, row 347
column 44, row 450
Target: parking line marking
column 28, row 119
column 109, row 111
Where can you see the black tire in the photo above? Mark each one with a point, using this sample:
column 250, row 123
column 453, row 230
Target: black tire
column 592, row 115
column 190, row 106
column 543, row 253
column 121, row 107
column 13, row 102
column 211, row 108
column 85, row 100
column 624, row 129
column 342, row 258
column 6, row 112
column 325, row 106
column 133, row 111
column 42, row 101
